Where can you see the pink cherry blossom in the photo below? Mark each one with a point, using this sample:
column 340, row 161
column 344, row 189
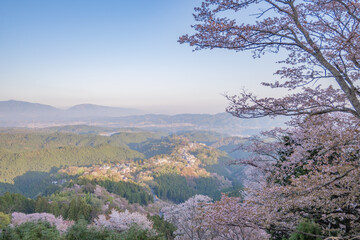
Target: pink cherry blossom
column 61, row 225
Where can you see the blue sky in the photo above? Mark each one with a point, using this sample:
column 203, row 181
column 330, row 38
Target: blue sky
column 117, row 53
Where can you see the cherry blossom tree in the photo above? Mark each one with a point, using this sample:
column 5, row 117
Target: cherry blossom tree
column 322, row 40
column 122, row 221
column 312, row 172
column 229, row 219
column 200, row 218
column 186, row 217
column 311, row 169
column 18, row 218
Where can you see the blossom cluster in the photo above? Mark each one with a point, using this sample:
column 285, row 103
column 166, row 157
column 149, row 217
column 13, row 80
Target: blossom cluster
column 122, row 221
column 20, row 218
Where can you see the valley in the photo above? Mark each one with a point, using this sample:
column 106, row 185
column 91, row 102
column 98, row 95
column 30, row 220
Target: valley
column 82, row 172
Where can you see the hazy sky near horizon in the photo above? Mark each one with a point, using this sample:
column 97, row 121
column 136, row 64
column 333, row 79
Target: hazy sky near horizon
column 117, row 53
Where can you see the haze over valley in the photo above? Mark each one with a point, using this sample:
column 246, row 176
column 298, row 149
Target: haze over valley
column 33, row 115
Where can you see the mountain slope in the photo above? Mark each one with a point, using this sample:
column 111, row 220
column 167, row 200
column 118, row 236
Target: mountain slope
column 25, row 108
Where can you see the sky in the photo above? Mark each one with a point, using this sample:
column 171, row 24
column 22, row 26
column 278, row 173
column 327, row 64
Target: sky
column 118, row 53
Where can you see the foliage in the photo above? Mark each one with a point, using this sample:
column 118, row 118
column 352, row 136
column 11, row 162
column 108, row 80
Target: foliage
column 5, row 220
column 132, row 137
column 14, row 202
column 31, row 231
column 41, row 230
column 78, row 209
column 135, row 233
column 207, row 186
column 208, row 156
column 32, row 184
column 41, row 152
column 306, row 226
column 155, row 147
column 177, row 188
column 131, row 191
column 75, row 205
column 164, row 228
column 80, row 231
column 173, row 187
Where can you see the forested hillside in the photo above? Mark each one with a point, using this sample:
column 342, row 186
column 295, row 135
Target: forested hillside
column 33, row 157
column 73, row 173
column 27, row 150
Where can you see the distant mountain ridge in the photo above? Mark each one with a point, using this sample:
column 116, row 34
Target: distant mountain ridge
column 20, row 107
column 24, row 114
column 37, row 110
